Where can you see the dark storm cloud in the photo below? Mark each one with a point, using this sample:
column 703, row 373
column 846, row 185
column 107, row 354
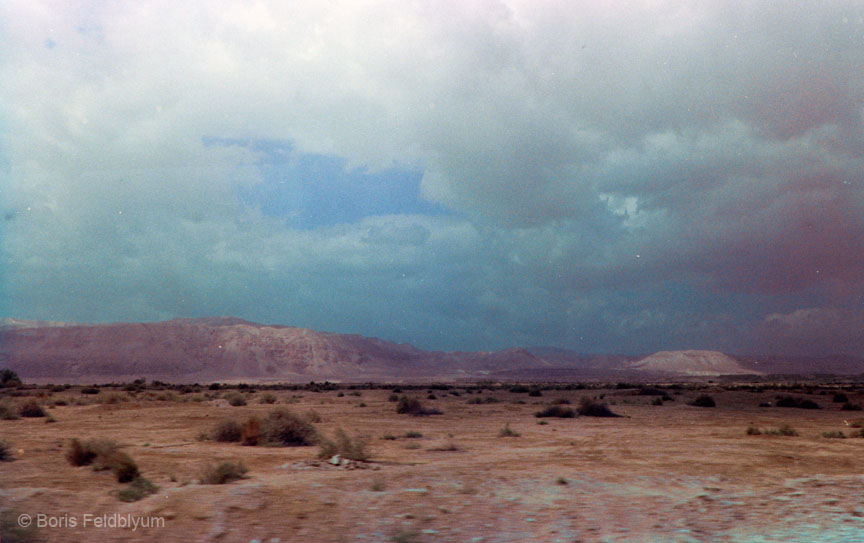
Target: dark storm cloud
column 617, row 176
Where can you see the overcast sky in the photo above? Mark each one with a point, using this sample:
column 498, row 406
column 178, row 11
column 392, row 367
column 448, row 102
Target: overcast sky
column 601, row 176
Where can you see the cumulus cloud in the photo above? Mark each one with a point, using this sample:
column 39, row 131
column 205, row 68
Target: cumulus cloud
column 620, row 176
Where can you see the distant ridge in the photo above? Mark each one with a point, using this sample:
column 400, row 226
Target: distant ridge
column 692, row 363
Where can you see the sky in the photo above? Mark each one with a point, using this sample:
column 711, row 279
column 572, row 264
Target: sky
column 603, row 176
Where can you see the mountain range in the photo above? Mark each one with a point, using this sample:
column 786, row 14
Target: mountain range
column 231, row 349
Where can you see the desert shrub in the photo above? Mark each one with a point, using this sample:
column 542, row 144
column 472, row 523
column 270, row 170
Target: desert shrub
column 405, row 536
column 50, row 419
column 413, row 407
column 850, row 407
column 784, row 430
column 389, row 437
column 506, row 431
column 60, row 402
column 344, row 446
column 13, row 532
column 592, row 408
column 562, row 481
column 82, row 453
column 31, row 408
column 121, row 465
column 657, row 401
column 561, row 401
column 703, row 400
column 8, row 411
column 227, row 431
column 393, row 398
column 267, row 399
column 834, row 434
column 6, row 451
column 314, row 416
column 765, row 404
column 412, row 434
column 113, row 398
column 219, row 474
column 9, row 378
column 283, row 427
column 839, row 397
column 535, row 392
column 138, row 489
column 90, row 390
column 650, row 391
column 378, row 485
column 856, row 423
column 753, row 431
column 807, row 404
column 251, row 432
column 520, row 389
column 801, row 403
column 236, row 399
column 556, row 411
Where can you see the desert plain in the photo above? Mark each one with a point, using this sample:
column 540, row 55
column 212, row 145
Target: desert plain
column 486, row 469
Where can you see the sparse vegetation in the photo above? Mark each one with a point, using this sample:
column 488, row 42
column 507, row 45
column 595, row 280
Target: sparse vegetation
column 703, row 400
column 138, row 489
column 6, row 454
column 834, row 434
column 267, row 399
column 283, row 427
column 589, row 407
column 506, row 431
column 83, row 453
column 784, row 430
column 411, row 434
column 753, row 431
column 413, row 407
column 8, row 411
column 556, row 411
column 31, row 408
column 9, row 378
column 346, row 447
column 220, row 474
column 850, row 407
column 236, row 399
column 839, row 397
column 800, row 403
column 227, row 431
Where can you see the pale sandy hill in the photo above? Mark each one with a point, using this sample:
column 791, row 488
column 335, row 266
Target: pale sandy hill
column 695, row 363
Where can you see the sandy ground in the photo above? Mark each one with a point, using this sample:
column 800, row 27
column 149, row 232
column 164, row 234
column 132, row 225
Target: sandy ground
column 671, row 473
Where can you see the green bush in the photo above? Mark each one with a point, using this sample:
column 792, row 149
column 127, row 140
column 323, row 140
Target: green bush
column 225, row 472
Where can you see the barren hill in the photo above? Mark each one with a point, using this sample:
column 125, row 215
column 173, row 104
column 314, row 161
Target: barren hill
column 187, row 350
column 692, row 363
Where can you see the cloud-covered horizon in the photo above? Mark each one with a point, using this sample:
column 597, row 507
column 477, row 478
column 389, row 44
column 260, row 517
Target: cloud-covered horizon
column 600, row 176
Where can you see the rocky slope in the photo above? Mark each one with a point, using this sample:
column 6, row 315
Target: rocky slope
column 186, row 350
column 692, row 363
